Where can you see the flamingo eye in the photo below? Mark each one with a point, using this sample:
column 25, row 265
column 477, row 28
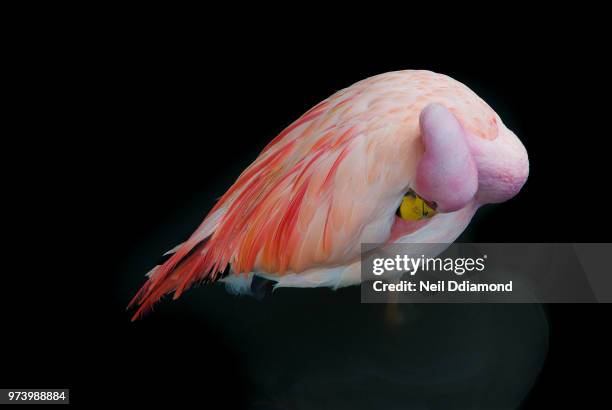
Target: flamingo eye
column 414, row 208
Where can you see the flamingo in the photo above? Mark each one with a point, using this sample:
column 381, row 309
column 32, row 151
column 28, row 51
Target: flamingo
column 401, row 157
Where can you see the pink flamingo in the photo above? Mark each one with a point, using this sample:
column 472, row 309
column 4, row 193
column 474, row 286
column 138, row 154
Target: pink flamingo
column 336, row 177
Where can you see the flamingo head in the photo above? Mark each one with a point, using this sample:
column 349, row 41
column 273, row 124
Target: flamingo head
column 458, row 167
column 466, row 162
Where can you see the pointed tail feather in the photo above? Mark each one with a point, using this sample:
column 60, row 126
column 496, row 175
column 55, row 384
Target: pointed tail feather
column 184, row 268
column 183, row 265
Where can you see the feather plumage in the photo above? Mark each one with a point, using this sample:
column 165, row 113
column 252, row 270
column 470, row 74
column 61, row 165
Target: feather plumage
column 330, row 181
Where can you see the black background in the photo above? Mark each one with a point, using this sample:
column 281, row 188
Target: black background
column 125, row 138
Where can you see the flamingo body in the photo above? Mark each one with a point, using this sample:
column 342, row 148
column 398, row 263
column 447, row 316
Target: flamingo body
column 334, row 179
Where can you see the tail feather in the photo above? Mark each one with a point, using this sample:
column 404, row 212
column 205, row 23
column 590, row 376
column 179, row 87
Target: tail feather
column 178, row 273
column 183, row 265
